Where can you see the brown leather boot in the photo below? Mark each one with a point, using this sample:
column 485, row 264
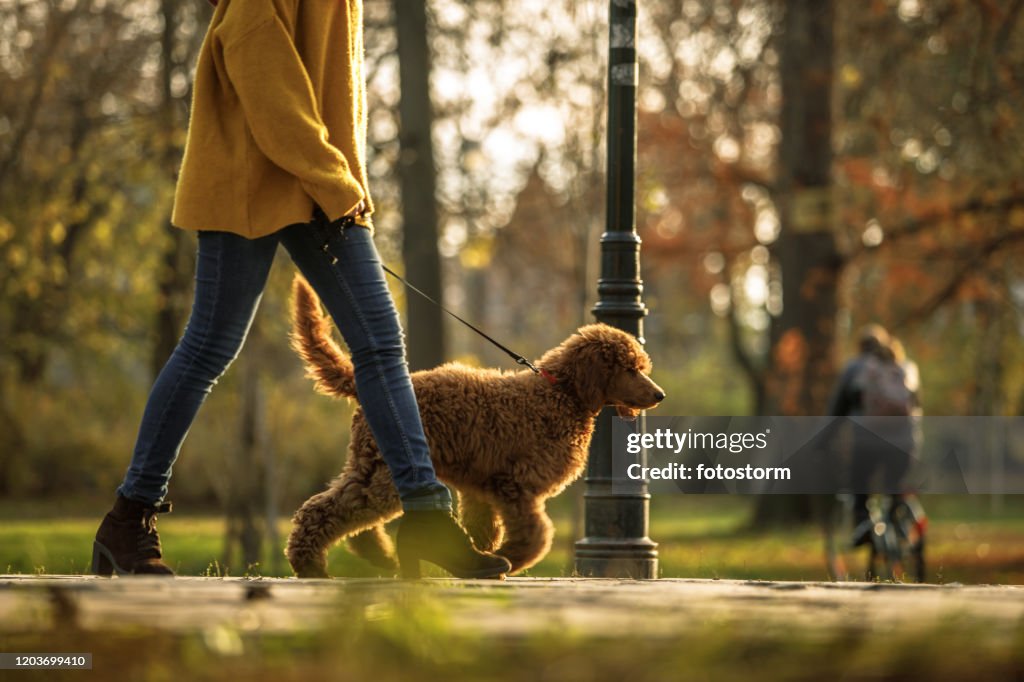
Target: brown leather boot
column 127, row 542
column 436, row 537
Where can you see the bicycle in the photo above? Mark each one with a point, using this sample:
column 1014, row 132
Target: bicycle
column 895, row 540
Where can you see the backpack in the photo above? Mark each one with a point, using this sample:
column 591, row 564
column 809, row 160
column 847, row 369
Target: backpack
column 884, row 391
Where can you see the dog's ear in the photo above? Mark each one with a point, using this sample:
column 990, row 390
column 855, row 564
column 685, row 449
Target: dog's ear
column 592, row 376
column 586, row 367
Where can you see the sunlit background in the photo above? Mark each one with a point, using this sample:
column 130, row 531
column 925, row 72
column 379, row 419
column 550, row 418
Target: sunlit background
column 927, row 218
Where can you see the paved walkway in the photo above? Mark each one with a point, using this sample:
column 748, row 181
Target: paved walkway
column 512, row 608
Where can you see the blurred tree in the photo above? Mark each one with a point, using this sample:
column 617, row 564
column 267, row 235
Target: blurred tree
column 801, row 369
column 249, row 483
column 180, row 38
column 38, row 241
column 927, row 210
column 70, row 175
column 520, row 93
column 417, row 174
column 81, row 165
column 925, row 202
column 929, row 178
column 708, row 128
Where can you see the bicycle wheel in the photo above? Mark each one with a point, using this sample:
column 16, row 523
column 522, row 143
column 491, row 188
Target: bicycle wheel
column 843, row 561
column 884, row 562
column 909, row 525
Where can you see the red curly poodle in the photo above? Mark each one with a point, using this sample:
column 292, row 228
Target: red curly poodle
column 506, row 441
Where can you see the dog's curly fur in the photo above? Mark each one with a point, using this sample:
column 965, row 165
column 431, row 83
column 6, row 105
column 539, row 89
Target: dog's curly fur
column 506, row 441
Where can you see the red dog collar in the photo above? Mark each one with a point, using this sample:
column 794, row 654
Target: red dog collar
column 552, row 379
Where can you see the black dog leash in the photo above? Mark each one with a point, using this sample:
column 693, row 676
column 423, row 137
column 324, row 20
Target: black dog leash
column 519, row 359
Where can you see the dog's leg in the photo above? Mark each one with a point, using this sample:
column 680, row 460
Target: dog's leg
column 477, row 516
column 356, row 501
column 528, row 532
column 375, row 546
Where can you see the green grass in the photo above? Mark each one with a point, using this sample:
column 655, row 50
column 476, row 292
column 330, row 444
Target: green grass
column 698, row 536
column 417, row 639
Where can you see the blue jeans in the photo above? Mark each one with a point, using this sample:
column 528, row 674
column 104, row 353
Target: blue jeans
column 231, row 272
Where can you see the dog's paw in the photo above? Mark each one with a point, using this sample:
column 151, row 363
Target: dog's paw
column 310, row 571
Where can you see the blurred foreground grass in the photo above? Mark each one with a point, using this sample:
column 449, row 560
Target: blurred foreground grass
column 386, row 635
column 973, row 539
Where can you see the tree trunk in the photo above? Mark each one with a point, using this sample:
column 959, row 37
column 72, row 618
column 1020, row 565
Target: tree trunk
column 246, row 495
column 173, row 278
column 172, row 298
column 12, row 437
column 801, row 366
column 988, row 390
column 418, row 181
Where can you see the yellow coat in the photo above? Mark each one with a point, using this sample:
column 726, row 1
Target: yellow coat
column 278, row 117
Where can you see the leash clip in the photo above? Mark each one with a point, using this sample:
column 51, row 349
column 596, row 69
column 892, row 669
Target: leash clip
column 526, row 363
column 551, row 378
column 325, row 227
column 326, row 249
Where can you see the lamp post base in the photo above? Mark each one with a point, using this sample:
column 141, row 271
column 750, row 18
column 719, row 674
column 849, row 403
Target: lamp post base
column 615, row 528
column 636, row 559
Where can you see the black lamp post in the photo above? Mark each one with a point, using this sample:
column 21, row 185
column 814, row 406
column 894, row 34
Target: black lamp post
column 615, row 542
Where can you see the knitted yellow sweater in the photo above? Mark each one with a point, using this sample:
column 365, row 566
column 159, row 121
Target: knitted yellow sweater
column 278, row 117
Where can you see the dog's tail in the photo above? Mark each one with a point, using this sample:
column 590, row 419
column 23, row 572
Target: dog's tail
column 326, row 364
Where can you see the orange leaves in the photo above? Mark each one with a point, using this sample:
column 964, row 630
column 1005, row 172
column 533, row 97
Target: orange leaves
column 791, row 351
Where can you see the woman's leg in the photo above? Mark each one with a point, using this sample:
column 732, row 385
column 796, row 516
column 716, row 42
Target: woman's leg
column 231, row 272
column 355, row 294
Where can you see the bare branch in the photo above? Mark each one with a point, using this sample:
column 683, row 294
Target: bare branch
column 1009, row 23
column 56, row 30
column 973, row 264
column 974, row 206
